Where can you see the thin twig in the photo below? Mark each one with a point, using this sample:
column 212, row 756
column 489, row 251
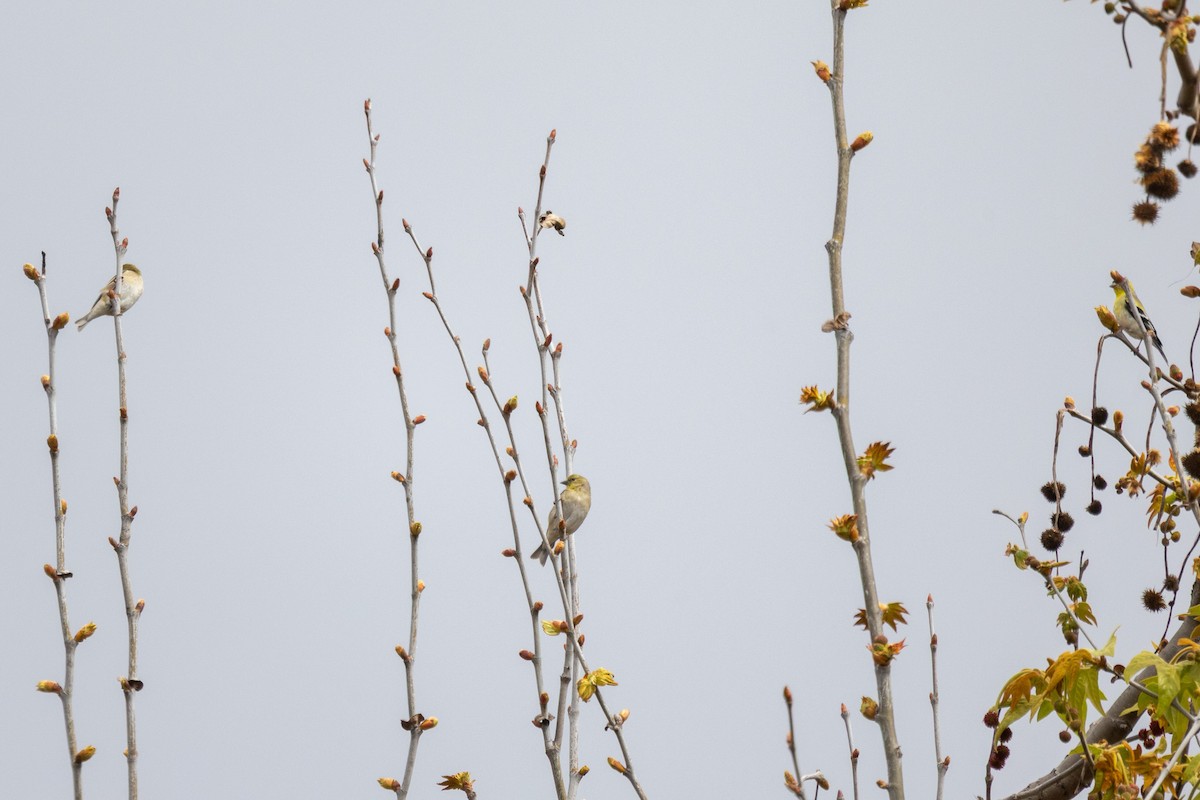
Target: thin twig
column 130, row 684
column 943, row 764
column 853, row 751
column 59, row 573
column 791, row 742
column 417, row 723
column 841, row 410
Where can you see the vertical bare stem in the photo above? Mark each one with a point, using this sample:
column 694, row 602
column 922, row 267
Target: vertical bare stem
column 841, row 411
column 130, row 684
column 416, row 723
column 943, row 764
column 797, row 786
column 59, row 573
column 853, row 752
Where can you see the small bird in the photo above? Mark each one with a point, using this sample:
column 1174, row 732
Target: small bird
column 551, row 220
column 1123, row 311
column 576, row 501
column 131, row 290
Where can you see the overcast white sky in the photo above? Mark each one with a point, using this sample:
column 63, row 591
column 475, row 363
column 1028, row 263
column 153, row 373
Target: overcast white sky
column 695, row 167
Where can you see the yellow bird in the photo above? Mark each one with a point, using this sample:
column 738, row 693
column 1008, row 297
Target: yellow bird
column 1123, row 310
column 576, row 501
column 131, row 290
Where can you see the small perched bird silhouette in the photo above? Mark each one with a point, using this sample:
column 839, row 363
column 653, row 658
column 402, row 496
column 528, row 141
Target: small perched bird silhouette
column 131, row 290
column 576, row 501
column 1123, row 310
column 552, row 220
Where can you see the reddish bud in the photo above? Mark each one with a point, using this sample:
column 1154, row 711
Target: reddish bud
column 508, row 552
column 427, row 295
column 429, row 254
column 538, row 605
column 525, row 654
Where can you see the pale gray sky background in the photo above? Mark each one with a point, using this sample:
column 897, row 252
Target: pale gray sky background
column 695, row 167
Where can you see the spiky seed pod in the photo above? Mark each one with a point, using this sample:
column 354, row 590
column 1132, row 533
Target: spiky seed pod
column 1171, row 583
column 1161, row 183
column 1003, row 751
column 1193, row 412
column 1191, row 463
column 1187, row 168
column 1145, row 212
column 1152, row 599
column 1147, row 159
column 991, row 719
column 1063, row 521
column 1053, row 491
column 1084, row 450
column 1006, row 734
column 1051, row 539
column 1100, row 483
column 1164, row 136
column 1094, row 508
column 1099, row 415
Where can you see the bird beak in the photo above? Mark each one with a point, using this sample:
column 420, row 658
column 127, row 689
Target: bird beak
column 564, row 483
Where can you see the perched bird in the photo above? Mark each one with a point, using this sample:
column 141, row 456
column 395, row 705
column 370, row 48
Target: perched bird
column 576, row 501
column 1123, row 310
column 131, row 290
column 551, row 220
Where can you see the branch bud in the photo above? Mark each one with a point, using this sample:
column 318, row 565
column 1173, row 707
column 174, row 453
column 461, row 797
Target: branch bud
column 415, row 529
column 51, row 573
column 84, row 754
column 49, row 687
column 538, row 605
column 420, row 586
column 400, row 651
column 508, row 552
column 418, row 419
column 52, row 443
column 389, row 783
column 61, row 321
column 617, row 765
column 864, row 139
column 431, row 722
column 398, row 477
column 30, row 272
column 525, row 654
column 822, row 70
column 85, row 632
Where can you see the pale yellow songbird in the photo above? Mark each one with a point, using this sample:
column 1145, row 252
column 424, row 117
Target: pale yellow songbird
column 551, row 220
column 131, row 290
column 1123, row 310
column 576, row 501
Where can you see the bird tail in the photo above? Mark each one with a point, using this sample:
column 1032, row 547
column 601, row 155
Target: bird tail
column 541, row 554
column 80, row 323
